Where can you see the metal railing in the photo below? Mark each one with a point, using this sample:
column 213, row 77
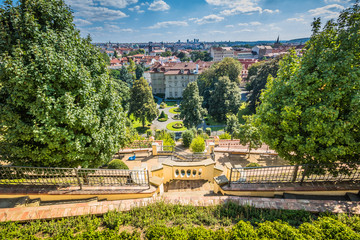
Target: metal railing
column 296, row 174
column 183, row 157
column 66, row 177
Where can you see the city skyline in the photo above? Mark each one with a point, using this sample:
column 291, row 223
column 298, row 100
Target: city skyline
column 207, row 20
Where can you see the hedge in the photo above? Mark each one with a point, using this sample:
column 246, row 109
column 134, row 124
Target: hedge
column 117, row 164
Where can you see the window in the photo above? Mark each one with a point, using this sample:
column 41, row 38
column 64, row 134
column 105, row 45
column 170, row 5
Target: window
column 176, row 94
column 175, row 77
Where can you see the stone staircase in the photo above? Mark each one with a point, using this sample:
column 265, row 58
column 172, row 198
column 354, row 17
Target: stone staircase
column 36, row 202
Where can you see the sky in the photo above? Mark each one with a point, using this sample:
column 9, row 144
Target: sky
column 207, row 20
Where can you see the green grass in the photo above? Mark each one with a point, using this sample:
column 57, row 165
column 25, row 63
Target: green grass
column 138, row 125
column 210, row 121
column 171, row 103
column 217, row 128
column 174, row 221
column 174, row 110
column 170, row 126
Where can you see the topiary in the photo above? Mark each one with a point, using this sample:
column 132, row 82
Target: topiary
column 162, row 115
column 117, row 164
column 162, row 105
column 187, row 137
column 149, row 133
column 198, row 145
column 253, row 164
column 208, row 131
column 200, row 131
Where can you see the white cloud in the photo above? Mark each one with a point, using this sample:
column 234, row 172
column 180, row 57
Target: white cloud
column 83, row 4
column 233, row 7
column 329, row 11
column 337, row 1
column 87, row 9
column 159, row 5
column 295, row 19
column 271, row 11
column 117, row 3
column 137, row 9
column 100, row 14
column 208, row 19
column 244, row 30
column 81, row 22
column 250, row 24
column 229, row 26
column 217, row 32
column 168, row 24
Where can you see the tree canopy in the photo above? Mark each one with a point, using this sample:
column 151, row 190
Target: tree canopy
column 310, row 112
column 142, row 104
column 191, row 110
column 201, row 55
column 59, row 107
column 225, row 98
column 122, row 75
column 258, row 75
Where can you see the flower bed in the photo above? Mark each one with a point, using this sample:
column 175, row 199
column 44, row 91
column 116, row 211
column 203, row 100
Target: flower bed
column 176, row 117
column 176, row 126
column 175, row 110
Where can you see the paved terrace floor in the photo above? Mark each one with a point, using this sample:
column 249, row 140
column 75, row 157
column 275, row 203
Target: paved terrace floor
column 99, row 208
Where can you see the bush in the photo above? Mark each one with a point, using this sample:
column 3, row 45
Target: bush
column 200, row 131
column 162, row 115
column 198, row 145
column 208, row 131
column 162, row 105
column 225, row 135
column 178, row 125
column 253, row 164
column 149, row 133
column 117, row 164
column 187, row 137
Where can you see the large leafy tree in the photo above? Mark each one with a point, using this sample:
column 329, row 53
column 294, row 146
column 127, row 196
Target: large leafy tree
column 123, row 75
column 225, row 98
column 228, row 67
column 191, row 110
column 58, row 104
column 258, row 80
column 310, row 112
column 142, row 104
column 139, row 71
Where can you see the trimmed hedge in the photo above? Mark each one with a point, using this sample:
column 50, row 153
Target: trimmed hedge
column 253, row 164
column 117, row 164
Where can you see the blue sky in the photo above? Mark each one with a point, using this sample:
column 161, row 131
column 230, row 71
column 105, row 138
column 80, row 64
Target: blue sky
column 208, row 20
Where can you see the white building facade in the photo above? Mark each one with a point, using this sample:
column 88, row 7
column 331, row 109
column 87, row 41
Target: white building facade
column 219, row 53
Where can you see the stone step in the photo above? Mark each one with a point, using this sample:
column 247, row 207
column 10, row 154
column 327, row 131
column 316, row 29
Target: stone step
column 72, row 201
column 13, row 202
column 353, row 197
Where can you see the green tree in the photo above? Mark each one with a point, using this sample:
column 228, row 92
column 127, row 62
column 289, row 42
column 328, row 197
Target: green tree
column 166, row 54
column 59, row 107
column 232, row 123
column 229, row 67
column 187, row 137
column 106, row 58
column 115, row 54
column 197, row 145
column 139, row 71
column 123, row 75
column 225, row 98
column 191, row 111
column 200, row 55
column 123, row 91
column 142, row 104
column 249, row 134
column 259, row 79
column 310, row 112
column 206, row 81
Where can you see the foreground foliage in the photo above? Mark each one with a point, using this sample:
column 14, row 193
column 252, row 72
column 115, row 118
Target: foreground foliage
column 58, row 105
column 310, row 112
column 167, row 221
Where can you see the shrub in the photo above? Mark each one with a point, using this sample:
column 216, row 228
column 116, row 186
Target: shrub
column 162, row 105
column 200, row 131
column 225, row 135
column 149, row 133
column 162, row 115
column 243, row 230
column 197, row 145
column 253, row 164
column 117, row 164
column 187, row 137
column 178, row 125
column 208, row 131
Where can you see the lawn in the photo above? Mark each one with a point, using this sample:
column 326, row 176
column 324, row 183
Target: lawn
column 175, row 110
column 170, row 127
column 138, row 125
column 171, row 103
column 210, row 121
column 217, row 128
